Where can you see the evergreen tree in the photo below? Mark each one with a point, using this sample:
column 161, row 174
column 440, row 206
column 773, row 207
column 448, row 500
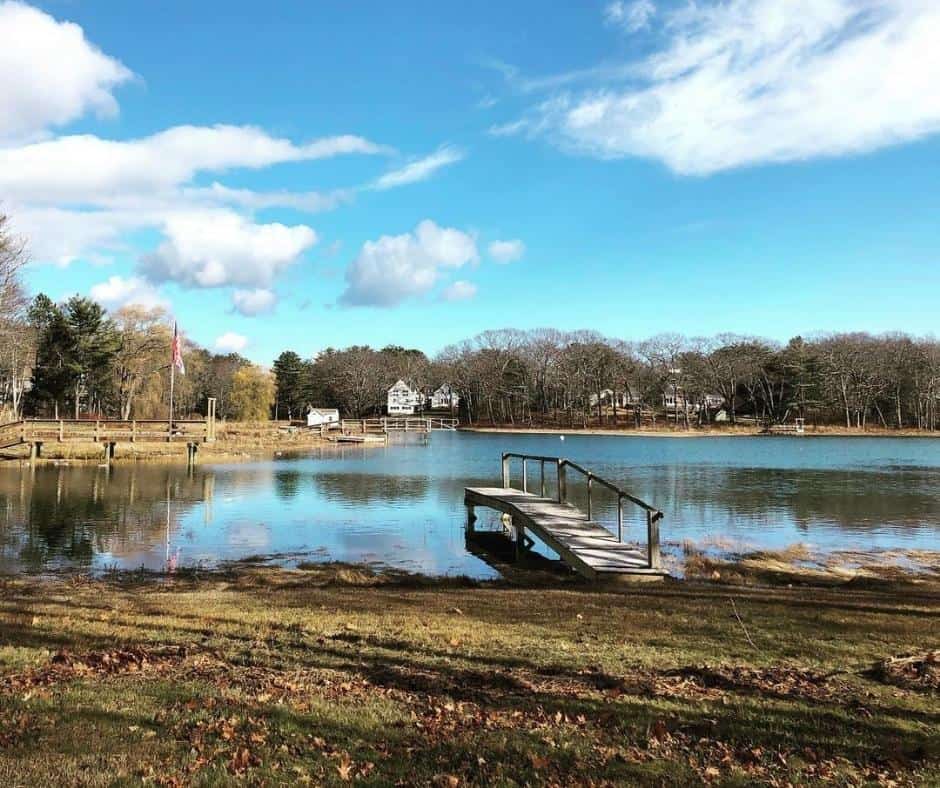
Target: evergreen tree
column 289, row 382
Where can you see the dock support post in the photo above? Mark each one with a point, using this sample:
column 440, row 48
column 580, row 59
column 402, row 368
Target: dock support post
column 542, row 479
column 471, row 518
column 590, row 486
column 562, row 482
column 519, row 531
column 35, row 451
column 191, row 448
column 652, row 535
column 505, row 472
column 108, row 447
column 620, row 518
column 525, row 475
column 61, row 431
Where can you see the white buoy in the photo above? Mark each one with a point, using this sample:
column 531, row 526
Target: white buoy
column 561, row 437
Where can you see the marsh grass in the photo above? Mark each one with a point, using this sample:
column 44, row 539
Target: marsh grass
column 335, row 674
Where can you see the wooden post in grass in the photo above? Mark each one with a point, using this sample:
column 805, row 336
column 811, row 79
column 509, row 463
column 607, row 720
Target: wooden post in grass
column 652, row 536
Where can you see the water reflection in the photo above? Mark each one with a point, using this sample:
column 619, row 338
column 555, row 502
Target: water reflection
column 402, row 506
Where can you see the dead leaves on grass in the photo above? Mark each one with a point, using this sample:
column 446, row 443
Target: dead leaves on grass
column 915, row 671
column 232, row 729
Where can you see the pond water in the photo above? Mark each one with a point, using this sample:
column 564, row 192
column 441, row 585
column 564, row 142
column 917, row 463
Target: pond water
column 402, row 506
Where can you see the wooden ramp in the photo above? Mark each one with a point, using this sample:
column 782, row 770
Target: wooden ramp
column 580, row 541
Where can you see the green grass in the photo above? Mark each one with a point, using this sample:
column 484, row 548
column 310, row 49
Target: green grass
column 332, row 675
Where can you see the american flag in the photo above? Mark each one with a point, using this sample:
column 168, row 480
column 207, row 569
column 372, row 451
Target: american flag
column 178, row 352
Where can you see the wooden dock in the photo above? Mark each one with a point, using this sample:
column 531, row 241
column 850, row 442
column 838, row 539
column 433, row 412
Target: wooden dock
column 36, row 432
column 383, row 426
column 584, row 544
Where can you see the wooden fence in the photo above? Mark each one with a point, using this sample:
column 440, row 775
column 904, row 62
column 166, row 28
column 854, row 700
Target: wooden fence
column 105, row 431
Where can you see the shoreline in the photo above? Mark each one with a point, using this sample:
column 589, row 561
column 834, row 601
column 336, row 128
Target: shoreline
column 691, row 565
column 738, row 432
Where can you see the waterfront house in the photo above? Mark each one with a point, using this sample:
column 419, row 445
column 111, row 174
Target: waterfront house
column 611, row 398
column 403, row 400
column 444, row 398
column 674, row 399
column 317, row 417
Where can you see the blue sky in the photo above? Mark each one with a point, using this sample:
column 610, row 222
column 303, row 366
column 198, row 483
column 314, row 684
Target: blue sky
column 317, row 173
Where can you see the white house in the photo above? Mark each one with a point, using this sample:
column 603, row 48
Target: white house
column 444, row 397
column 620, row 399
column 403, row 400
column 317, row 417
column 674, row 399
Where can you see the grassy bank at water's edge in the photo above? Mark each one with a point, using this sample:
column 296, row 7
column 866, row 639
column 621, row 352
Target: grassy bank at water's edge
column 332, row 674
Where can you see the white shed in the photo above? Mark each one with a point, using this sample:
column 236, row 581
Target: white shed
column 317, row 417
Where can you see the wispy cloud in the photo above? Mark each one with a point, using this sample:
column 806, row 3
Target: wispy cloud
column 420, row 169
column 749, row 82
column 461, row 290
column 631, row 16
column 507, row 251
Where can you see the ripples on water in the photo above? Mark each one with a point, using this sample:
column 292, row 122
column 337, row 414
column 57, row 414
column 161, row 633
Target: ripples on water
column 403, row 506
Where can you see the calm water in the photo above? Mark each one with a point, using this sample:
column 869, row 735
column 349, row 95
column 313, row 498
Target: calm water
column 403, row 505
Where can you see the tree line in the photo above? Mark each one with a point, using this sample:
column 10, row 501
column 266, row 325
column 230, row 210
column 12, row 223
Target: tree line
column 545, row 376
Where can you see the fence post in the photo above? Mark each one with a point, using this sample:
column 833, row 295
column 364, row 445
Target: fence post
column 652, row 536
column 542, row 477
column 506, row 471
column 619, row 517
column 525, row 475
column 562, row 482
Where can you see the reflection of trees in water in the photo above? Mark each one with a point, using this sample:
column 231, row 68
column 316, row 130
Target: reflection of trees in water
column 286, row 484
column 855, row 499
column 52, row 515
column 364, row 489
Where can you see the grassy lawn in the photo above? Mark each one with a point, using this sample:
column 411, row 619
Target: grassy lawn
column 331, row 675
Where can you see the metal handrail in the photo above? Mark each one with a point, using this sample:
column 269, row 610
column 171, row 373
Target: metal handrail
column 653, row 515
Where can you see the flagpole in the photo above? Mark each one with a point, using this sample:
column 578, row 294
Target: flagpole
column 172, row 377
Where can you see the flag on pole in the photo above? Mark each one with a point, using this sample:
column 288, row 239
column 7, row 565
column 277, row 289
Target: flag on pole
column 178, row 352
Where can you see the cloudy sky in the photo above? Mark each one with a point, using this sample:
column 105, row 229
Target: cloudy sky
column 321, row 173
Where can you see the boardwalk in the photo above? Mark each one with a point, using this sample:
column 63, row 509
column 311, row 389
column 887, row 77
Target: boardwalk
column 38, row 431
column 579, row 540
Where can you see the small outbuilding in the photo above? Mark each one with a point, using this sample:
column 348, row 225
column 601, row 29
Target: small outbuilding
column 317, row 417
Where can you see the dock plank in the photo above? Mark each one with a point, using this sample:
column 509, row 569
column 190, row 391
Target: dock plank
column 582, row 543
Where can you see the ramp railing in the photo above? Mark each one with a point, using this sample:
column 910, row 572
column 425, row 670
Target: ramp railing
column 561, row 464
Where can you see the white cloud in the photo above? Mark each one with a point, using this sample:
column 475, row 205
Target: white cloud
column 220, row 248
column 230, row 342
column 633, row 17
column 83, row 169
column 461, row 290
column 50, row 74
column 421, row 169
column 310, row 202
column 507, row 251
column 254, row 302
column 394, row 268
column 118, row 292
column 748, row 82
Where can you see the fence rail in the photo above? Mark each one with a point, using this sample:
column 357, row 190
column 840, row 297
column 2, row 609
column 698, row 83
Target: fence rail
column 405, row 424
column 653, row 515
column 104, row 430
